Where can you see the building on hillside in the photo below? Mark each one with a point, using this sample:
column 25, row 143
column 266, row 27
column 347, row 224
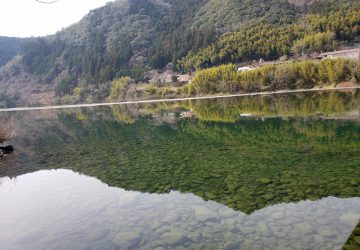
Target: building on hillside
column 184, row 78
column 347, row 53
column 246, row 68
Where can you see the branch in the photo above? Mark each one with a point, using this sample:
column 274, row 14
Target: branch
column 46, row 2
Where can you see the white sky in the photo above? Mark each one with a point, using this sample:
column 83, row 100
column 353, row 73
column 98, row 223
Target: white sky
column 25, row 18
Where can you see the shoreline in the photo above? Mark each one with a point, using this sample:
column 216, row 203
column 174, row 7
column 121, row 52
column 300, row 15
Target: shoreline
column 175, row 99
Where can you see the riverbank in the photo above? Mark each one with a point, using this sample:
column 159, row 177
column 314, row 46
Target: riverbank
column 180, row 99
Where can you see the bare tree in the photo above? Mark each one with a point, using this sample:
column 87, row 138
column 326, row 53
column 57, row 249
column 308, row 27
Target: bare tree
column 6, row 130
column 46, row 2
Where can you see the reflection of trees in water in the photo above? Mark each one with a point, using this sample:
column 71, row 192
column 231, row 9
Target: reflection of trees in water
column 246, row 164
column 304, row 104
column 323, row 104
column 120, row 114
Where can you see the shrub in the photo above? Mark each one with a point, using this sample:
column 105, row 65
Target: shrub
column 118, row 87
column 305, row 74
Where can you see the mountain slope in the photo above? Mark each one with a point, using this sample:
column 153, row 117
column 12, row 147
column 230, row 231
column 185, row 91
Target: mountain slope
column 132, row 37
column 229, row 15
column 9, row 47
column 315, row 33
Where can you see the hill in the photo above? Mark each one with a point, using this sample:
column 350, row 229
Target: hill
column 313, row 33
column 132, row 37
column 229, row 15
column 10, row 47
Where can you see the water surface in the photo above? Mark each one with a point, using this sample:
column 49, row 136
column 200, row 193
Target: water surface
column 258, row 172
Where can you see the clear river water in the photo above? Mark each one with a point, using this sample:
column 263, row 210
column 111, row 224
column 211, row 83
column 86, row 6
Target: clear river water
column 259, row 172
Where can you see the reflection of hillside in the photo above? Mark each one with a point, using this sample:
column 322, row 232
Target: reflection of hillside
column 304, row 104
column 245, row 165
column 320, row 104
column 354, row 239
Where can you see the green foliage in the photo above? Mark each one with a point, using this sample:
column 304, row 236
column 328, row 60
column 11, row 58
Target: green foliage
column 315, row 33
column 118, row 87
column 79, row 91
column 175, row 35
column 119, row 39
column 328, row 103
column 65, row 87
column 306, row 74
column 229, row 15
column 231, row 163
column 214, row 80
column 314, row 43
column 119, row 113
column 258, row 41
column 128, row 38
column 40, row 55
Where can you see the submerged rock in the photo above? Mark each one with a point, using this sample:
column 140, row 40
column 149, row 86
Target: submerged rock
column 304, row 227
column 349, row 218
column 4, row 150
column 173, row 237
column 7, row 149
column 97, row 234
column 127, row 240
column 232, row 245
column 264, row 229
column 204, row 214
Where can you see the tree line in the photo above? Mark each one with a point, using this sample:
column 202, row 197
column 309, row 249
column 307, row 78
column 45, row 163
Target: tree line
column 297, row 75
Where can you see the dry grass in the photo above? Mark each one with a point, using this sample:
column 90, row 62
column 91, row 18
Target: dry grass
column 5, row 130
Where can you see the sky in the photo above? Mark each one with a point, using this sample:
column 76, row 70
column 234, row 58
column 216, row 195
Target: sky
column 26, row 18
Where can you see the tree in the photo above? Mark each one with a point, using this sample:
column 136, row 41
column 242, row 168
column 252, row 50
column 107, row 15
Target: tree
column 118, row 87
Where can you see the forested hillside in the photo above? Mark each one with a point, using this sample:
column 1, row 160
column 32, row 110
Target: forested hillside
column 314, row 33
column 9, row 47
column 229, row 15
column 124, row 38
column 128, row 38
